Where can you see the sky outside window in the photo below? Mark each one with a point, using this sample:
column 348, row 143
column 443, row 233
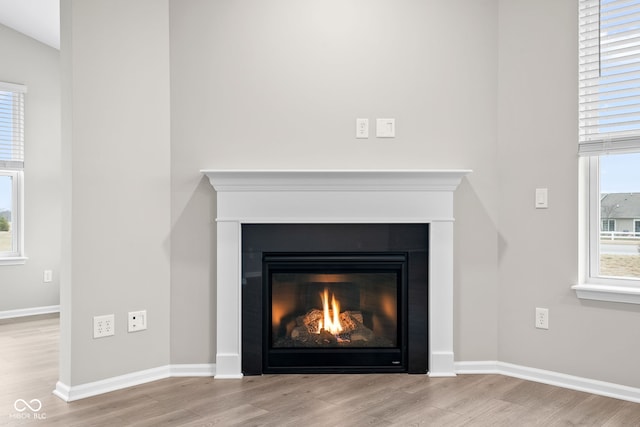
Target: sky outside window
column 6, row 135
column 5, row 193
column 620, row 173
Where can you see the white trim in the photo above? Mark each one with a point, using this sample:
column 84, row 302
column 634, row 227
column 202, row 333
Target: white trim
column 479, row 367
column 13, row 87
column 33, row 311
column 587, row 385
column 592, row 187
column 13, row 260
column 610, row 293
column 229, row 376
column 335, row 180
column 62, row 391
column 345, row 220
column 590, row 286
column 441, row 364
column 82, row 391
column 334, row 196
column 16, row 255
column 193, row 370
column 71, row 393
column 571, row 382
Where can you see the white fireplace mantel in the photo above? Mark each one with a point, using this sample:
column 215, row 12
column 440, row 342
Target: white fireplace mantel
column 334, row 196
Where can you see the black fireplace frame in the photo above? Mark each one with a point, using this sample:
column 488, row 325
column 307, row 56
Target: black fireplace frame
column 411, row 239
column 336, row 360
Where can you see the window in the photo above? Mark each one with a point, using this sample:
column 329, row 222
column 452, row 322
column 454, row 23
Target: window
column 609, row 147
column 11, row 173
column 608, row 225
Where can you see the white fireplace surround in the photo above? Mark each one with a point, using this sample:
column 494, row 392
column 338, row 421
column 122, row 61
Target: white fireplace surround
column 334, row 196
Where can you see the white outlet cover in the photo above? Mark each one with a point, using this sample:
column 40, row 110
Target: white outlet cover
column 542, row 318
column 362, row 128
column 137, row 321
column 385, row 128
column 104, row 326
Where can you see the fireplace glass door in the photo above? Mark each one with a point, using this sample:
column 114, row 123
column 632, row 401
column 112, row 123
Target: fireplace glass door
column 329, row 312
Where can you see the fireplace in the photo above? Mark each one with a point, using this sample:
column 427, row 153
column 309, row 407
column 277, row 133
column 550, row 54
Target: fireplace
column 334, row 298
column 288, row 197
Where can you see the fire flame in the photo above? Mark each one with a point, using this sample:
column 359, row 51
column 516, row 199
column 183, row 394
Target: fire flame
column 331, row 322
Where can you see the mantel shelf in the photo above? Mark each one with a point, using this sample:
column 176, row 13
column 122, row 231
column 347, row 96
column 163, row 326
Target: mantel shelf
column 336, row 180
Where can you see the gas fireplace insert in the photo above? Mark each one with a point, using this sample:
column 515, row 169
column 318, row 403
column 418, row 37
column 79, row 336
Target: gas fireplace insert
column 334, row 311
column 332, row 298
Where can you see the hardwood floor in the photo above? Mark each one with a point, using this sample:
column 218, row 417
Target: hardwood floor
column 29, row 370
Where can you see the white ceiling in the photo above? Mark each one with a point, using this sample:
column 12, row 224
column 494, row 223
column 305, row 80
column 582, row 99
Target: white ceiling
column 38, row 19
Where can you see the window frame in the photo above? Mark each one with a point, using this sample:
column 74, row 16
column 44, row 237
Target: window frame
column 14, row 167
column 602, row 59
column 16, row 256
column 591, row 285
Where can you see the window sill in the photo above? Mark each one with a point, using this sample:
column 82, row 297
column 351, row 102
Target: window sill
column 16, row 260
column 626, row 294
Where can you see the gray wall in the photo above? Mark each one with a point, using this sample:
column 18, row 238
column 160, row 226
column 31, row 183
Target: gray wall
column 538, row 95
column 279, row 84
column 117, row 185
column 37, row 66
column 487, row 85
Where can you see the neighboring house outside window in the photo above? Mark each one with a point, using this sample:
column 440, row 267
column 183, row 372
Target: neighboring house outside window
column 609, row 149
column 11, row 173
column 619, row 213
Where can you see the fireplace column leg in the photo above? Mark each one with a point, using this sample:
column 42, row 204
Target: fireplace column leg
column 228, row 312
column 441, row 361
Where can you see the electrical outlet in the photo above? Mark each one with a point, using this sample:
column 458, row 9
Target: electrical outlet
column 362, row 128
column 542, row 318
column 137, row 320
column 104, row 326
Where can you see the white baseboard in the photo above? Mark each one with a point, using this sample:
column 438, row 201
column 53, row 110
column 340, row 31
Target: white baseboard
column 71, row 393
column 62, row 391
column 22, row 312
column 587, row 385
column 441, row 364
column 193, row 370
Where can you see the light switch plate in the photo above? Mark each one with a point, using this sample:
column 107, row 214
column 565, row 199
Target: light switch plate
column 542, row 198
column 386, row 128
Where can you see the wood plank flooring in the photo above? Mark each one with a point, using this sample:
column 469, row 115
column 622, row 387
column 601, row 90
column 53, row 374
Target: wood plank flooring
column 29, row 370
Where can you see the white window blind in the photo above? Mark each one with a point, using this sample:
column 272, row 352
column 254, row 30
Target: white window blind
column 11, row 126
column 609, row 76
